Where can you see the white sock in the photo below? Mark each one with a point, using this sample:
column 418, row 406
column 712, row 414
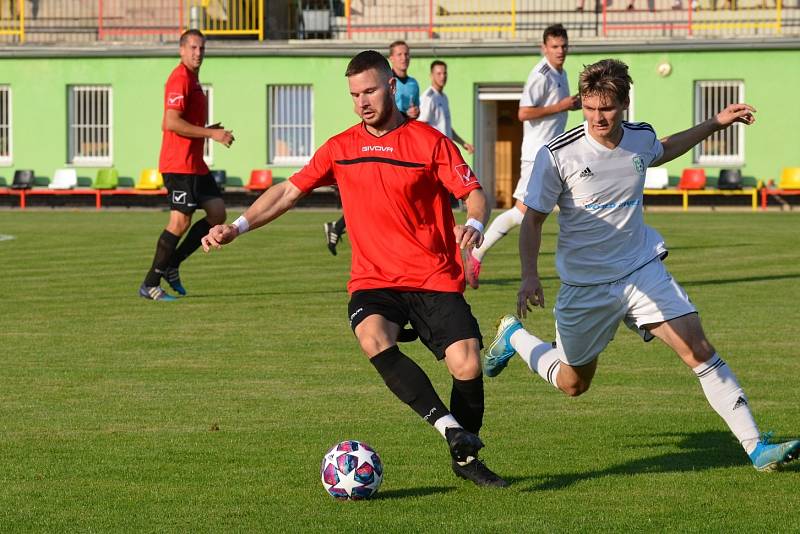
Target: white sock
column 501, row 225
column 726, row 396
column 443, row 423
column 540, row 356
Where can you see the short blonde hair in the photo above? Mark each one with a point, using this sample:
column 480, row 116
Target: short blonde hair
column 608, row 77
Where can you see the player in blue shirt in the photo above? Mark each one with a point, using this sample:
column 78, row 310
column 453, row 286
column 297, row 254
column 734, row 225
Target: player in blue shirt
column 407, row 93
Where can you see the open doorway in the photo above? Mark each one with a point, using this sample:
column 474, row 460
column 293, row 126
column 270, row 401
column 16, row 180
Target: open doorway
column 499, row 136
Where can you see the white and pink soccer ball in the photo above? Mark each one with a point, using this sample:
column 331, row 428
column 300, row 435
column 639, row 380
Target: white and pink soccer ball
column 351, row 470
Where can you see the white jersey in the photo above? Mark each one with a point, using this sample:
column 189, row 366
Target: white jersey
column 434, row 109
column 599, row 191
column 545, row 87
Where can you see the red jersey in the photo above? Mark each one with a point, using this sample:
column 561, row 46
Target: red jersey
column 395, row 192
column 184, row 155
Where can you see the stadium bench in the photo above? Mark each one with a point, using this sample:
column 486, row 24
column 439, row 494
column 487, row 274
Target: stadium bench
column 789, row 185
column 686, row 193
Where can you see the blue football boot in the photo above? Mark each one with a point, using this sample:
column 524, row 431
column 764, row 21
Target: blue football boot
column 155, row 293
column 500, row 350
column 772, row 456
column 173, row 278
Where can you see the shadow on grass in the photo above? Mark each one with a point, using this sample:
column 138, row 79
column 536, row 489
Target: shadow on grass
column 510, row 281
column 412, row 492
column 684, row 283
column 440, row 490
column 789, row 276
column 698, row 451
column 227, row 295
column 732, row 245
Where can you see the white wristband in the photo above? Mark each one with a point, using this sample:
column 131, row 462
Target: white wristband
column 241, row 224
column 475, row 223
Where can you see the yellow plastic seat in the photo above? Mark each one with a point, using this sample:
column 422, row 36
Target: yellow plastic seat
column 150, row 179
column 790, row 178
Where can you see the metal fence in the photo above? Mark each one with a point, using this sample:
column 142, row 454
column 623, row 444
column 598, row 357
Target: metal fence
column 432, row 19
column 68, row 21
column 466, row 20
column 137, row 20
column 12, row 19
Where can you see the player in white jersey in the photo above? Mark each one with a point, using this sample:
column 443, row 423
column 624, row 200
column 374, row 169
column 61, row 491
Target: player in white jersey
column 610, row 262
column 543, row 112
column 434, row 107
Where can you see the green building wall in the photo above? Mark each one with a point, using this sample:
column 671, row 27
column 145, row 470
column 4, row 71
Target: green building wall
column 39, row 88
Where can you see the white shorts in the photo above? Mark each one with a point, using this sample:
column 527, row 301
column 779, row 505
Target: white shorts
column 588, row 317
column 525, row 171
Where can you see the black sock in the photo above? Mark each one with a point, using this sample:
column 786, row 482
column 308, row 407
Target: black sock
column 466, row 403
column 339, row 226
column 166, row 247
column 409, row 383
column 190, row 243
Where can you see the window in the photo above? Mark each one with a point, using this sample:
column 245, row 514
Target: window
column 89, row 125
column 208, row 147
column 629, row 114
column 725, row 147
column 5, row 124
column 289, row 120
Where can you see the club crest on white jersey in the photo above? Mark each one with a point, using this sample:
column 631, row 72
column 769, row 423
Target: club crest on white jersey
column 638, row 164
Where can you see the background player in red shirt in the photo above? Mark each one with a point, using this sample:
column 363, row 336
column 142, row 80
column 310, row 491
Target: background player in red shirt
column 395, row 177
column 186, row 176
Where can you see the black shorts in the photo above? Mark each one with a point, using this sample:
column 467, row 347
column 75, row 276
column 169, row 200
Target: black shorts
column 187, row 192
column 440, row 319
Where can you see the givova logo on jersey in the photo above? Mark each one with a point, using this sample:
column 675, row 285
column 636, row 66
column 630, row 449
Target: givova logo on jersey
column 465, row 173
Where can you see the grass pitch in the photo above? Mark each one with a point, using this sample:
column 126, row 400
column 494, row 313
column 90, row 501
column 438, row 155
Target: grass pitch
column 212, row 413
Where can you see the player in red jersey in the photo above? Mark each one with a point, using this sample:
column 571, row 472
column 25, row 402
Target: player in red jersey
column 186, row 176
column 395, row 177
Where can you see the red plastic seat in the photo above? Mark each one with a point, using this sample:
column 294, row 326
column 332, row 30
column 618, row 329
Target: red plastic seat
column 692, row 179
column 260, row 180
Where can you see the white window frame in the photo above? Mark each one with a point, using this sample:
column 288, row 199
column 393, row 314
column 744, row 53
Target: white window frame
column 6, row 123
column 630, row 114
column 208, row 145
column 723, row 93
column 295, row 110
column 94, row 125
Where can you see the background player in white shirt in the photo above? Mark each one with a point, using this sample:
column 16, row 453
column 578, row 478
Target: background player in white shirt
column 434, row 108
column 543, row 112
column 609, row 261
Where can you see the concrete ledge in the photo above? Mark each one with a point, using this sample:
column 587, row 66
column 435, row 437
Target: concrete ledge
column 325, row 48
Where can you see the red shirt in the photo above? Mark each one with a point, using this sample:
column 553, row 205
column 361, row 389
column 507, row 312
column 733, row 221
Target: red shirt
column 395, row 192
column 184, row 155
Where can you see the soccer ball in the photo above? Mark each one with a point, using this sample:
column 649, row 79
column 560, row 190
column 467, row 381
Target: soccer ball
column 351, row 470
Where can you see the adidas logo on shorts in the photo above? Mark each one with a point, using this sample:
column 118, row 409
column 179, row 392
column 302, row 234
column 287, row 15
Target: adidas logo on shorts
column 586, row 173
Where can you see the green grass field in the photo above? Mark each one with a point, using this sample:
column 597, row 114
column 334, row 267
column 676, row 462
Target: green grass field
column 212, row 414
